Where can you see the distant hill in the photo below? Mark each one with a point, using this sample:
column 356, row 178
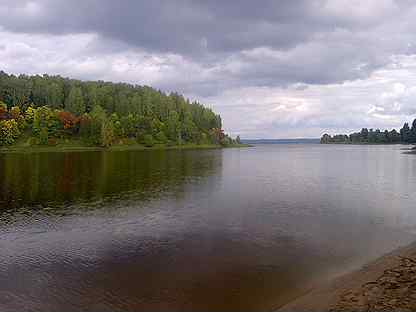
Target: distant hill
column 281, row 141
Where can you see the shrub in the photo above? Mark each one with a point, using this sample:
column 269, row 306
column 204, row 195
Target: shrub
column 161, row 137
column 85, row 130
column 45, row 118
column 3, row 111
column 107, row 134
column 15, row 112
column 148, row 140
column 9, row 132
column 43, row 136
column 30, row 115
column 68, row 120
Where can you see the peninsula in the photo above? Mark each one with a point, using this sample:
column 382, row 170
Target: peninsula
column 61, row 113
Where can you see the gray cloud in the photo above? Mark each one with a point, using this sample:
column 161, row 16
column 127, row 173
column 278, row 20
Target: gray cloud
column 181, row 26
column 198, row 28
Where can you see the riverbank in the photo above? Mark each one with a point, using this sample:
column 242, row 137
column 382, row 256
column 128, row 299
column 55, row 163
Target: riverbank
column 366, row 143
column 386, row 284
column 86, row 148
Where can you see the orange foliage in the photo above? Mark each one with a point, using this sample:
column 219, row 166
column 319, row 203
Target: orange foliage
column 219, row 133
column 3, row 111
column 68, row 120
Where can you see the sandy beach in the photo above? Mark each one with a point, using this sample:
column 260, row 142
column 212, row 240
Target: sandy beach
column 386, row 284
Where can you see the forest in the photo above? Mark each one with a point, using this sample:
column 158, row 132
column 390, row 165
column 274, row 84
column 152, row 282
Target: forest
column 406, row 135
column 50, row 110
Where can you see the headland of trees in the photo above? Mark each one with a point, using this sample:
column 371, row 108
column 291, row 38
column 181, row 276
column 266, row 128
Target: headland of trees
column 406, row 135
column 51, row 111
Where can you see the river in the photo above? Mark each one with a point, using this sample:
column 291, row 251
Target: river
column 210, row 230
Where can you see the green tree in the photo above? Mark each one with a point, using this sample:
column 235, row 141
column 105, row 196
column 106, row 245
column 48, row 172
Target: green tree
column 90, row 96
column 117, row 126
column 190, row 132
column 129, row 124
column 140, row 110
column 412, row 134
column 54, row 96
column 105, row 96
column 173, row 127
column 44, row 119
column 75, row 102
column 85, row 129
column 98, row 118
column 405, row 133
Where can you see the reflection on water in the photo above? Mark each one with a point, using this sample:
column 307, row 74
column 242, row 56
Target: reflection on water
column 220, row 230
column 53, row 180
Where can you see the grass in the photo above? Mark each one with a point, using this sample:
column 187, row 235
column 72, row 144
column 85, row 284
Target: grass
column 79, row 146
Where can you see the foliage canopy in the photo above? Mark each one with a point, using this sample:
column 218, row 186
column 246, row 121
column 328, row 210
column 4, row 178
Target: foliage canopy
column 47, row 108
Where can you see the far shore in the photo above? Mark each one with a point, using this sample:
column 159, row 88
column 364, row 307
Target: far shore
column 134, row 147
column 386, row 284
column 366, row 143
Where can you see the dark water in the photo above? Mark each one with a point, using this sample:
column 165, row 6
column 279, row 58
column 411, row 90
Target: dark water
column 210, row 230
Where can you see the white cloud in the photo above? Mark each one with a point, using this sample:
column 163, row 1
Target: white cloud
column 369, row 10
column 78, row 56
column 383, row 100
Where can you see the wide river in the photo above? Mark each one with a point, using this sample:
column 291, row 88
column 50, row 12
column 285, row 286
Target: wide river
column 209, row 230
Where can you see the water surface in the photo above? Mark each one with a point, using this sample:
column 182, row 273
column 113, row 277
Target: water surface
column 210, row 230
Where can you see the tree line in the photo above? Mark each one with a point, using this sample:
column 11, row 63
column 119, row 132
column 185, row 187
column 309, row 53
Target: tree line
column 46, row 109
column 406, row 135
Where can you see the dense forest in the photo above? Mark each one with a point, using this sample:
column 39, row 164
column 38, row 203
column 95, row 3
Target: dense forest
column 47, row 110
column 406, row 135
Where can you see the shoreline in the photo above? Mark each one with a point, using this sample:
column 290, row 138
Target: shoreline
column 382, row 284
column 114, row 148
column 366, row 143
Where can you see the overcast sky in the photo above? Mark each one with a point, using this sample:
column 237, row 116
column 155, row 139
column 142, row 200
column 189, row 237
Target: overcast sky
column 272, row 69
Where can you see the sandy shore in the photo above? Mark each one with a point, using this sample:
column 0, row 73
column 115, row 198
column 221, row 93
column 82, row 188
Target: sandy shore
column 387, row 284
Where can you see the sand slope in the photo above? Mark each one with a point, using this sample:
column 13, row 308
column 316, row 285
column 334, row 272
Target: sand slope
column 389, row 283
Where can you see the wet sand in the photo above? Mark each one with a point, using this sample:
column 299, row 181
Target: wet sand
column 387, row 284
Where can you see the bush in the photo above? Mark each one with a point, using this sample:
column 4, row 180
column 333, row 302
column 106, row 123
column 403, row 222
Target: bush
column 45, row 119
column 15, row 112
column 32, row 141
column 161, row 137
column 148, row 140
column 107, row 134
column 9, row 132
column 43, row 136
column 3, row 111
column 85, row 127
column 29, row 115
column 68, row 120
